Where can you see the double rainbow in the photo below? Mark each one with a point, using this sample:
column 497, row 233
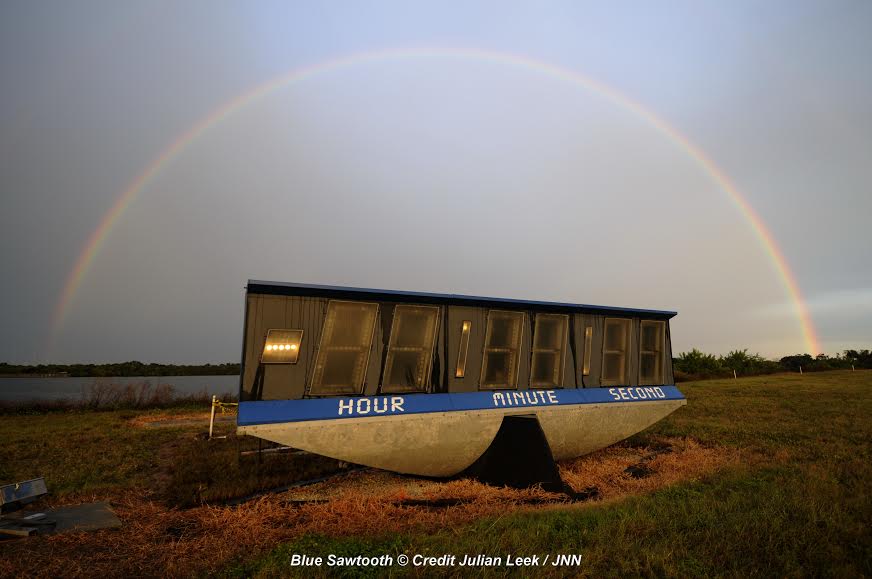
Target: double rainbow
column 110, row 219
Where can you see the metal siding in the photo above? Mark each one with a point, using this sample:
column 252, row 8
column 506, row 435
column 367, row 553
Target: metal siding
column 378, row 349
column 570, row 375
column 668, row 374
column 525, row 353
column 633, row 353
column 249, row 366
column 437, row 370
column 281, row 381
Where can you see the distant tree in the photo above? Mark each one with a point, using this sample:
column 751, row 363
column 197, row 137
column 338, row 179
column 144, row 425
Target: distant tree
column 699, row 364
column 795, row 362
column 860, row 359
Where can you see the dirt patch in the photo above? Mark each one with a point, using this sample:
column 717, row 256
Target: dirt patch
column 159, row 541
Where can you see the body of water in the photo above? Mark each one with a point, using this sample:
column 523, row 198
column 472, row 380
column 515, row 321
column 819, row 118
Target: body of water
column 23, row 389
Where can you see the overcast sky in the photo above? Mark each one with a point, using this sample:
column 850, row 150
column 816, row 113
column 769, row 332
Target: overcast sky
column 438, row 172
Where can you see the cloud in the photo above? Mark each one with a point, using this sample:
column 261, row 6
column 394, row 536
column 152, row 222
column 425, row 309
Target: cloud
column 833, row 303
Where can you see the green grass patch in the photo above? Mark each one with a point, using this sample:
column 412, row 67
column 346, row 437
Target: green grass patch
column 78, row 451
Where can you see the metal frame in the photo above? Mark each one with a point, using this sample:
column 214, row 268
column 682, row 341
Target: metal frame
column 297, row 352
column 428, row 371
column 661, row 377
column 308, row 391
column 564, row 347
column 487, row 333
column 628, row 325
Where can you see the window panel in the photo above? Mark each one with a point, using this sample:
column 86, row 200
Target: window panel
column 588, row 345
column 498, row 369
column 502, row 349
column 648, row 369
column 651, row 352
column 545, row 370
column 549, row 346
column 613, row 368
column 616, row 335
column 651, row 335
column 410, row 351
column 463, row 350
column 281, row 346
column 615, row 351
column 343, row 354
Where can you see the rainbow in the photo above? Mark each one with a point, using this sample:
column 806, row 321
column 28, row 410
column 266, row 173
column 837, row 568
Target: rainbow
column 125, row 200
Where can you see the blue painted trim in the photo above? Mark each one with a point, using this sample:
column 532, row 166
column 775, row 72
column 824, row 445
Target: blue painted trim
column 279, row 411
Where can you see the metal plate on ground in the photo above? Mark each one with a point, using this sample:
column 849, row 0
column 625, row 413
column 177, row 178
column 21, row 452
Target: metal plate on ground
column 88, row 517
column 14, row 495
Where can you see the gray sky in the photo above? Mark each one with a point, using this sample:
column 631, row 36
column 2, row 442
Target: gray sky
column 438, row 173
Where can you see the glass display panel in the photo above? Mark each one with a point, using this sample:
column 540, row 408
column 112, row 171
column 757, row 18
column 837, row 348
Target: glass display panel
column 549, row 345
column 343, row 354
column 588, row 344
column 651, row 352
column 615, row 351
column 281, row 347
column 499, row 369
column 410, row 351
column 463, row 350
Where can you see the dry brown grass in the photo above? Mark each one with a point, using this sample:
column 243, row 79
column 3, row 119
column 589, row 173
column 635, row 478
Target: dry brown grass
column 171, row 419
column 668, row 462
column 160, row 541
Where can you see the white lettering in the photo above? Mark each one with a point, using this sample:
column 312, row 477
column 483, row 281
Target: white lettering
column 346, row 406
column 531, row 398
column 298, row 560
column 623, row 392
column 518, row 396
column 566, row 560
column 541, row 395
column 630, row 391
column 552, row 398
column 363, row 405
column 659, row 391
column 419, row 560
column 614, row 394
column 499, row 399
column 397, row 404
column 384, row 406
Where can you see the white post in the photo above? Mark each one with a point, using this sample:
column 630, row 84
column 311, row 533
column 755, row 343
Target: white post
column 800, row 369
column 212, row 417
column 734, row 374
column 852, row 367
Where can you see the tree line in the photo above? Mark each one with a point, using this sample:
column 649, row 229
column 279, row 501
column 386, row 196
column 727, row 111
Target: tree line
column 696, row 365
column 124, row 369
column 693, row 365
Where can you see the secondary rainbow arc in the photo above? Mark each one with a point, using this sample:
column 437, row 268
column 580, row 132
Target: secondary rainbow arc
column 95, row 241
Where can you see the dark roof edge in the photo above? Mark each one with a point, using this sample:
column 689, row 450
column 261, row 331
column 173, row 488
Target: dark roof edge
column 285, row 288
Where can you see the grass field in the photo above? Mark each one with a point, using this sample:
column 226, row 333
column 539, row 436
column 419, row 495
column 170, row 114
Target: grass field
column 786, row 492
